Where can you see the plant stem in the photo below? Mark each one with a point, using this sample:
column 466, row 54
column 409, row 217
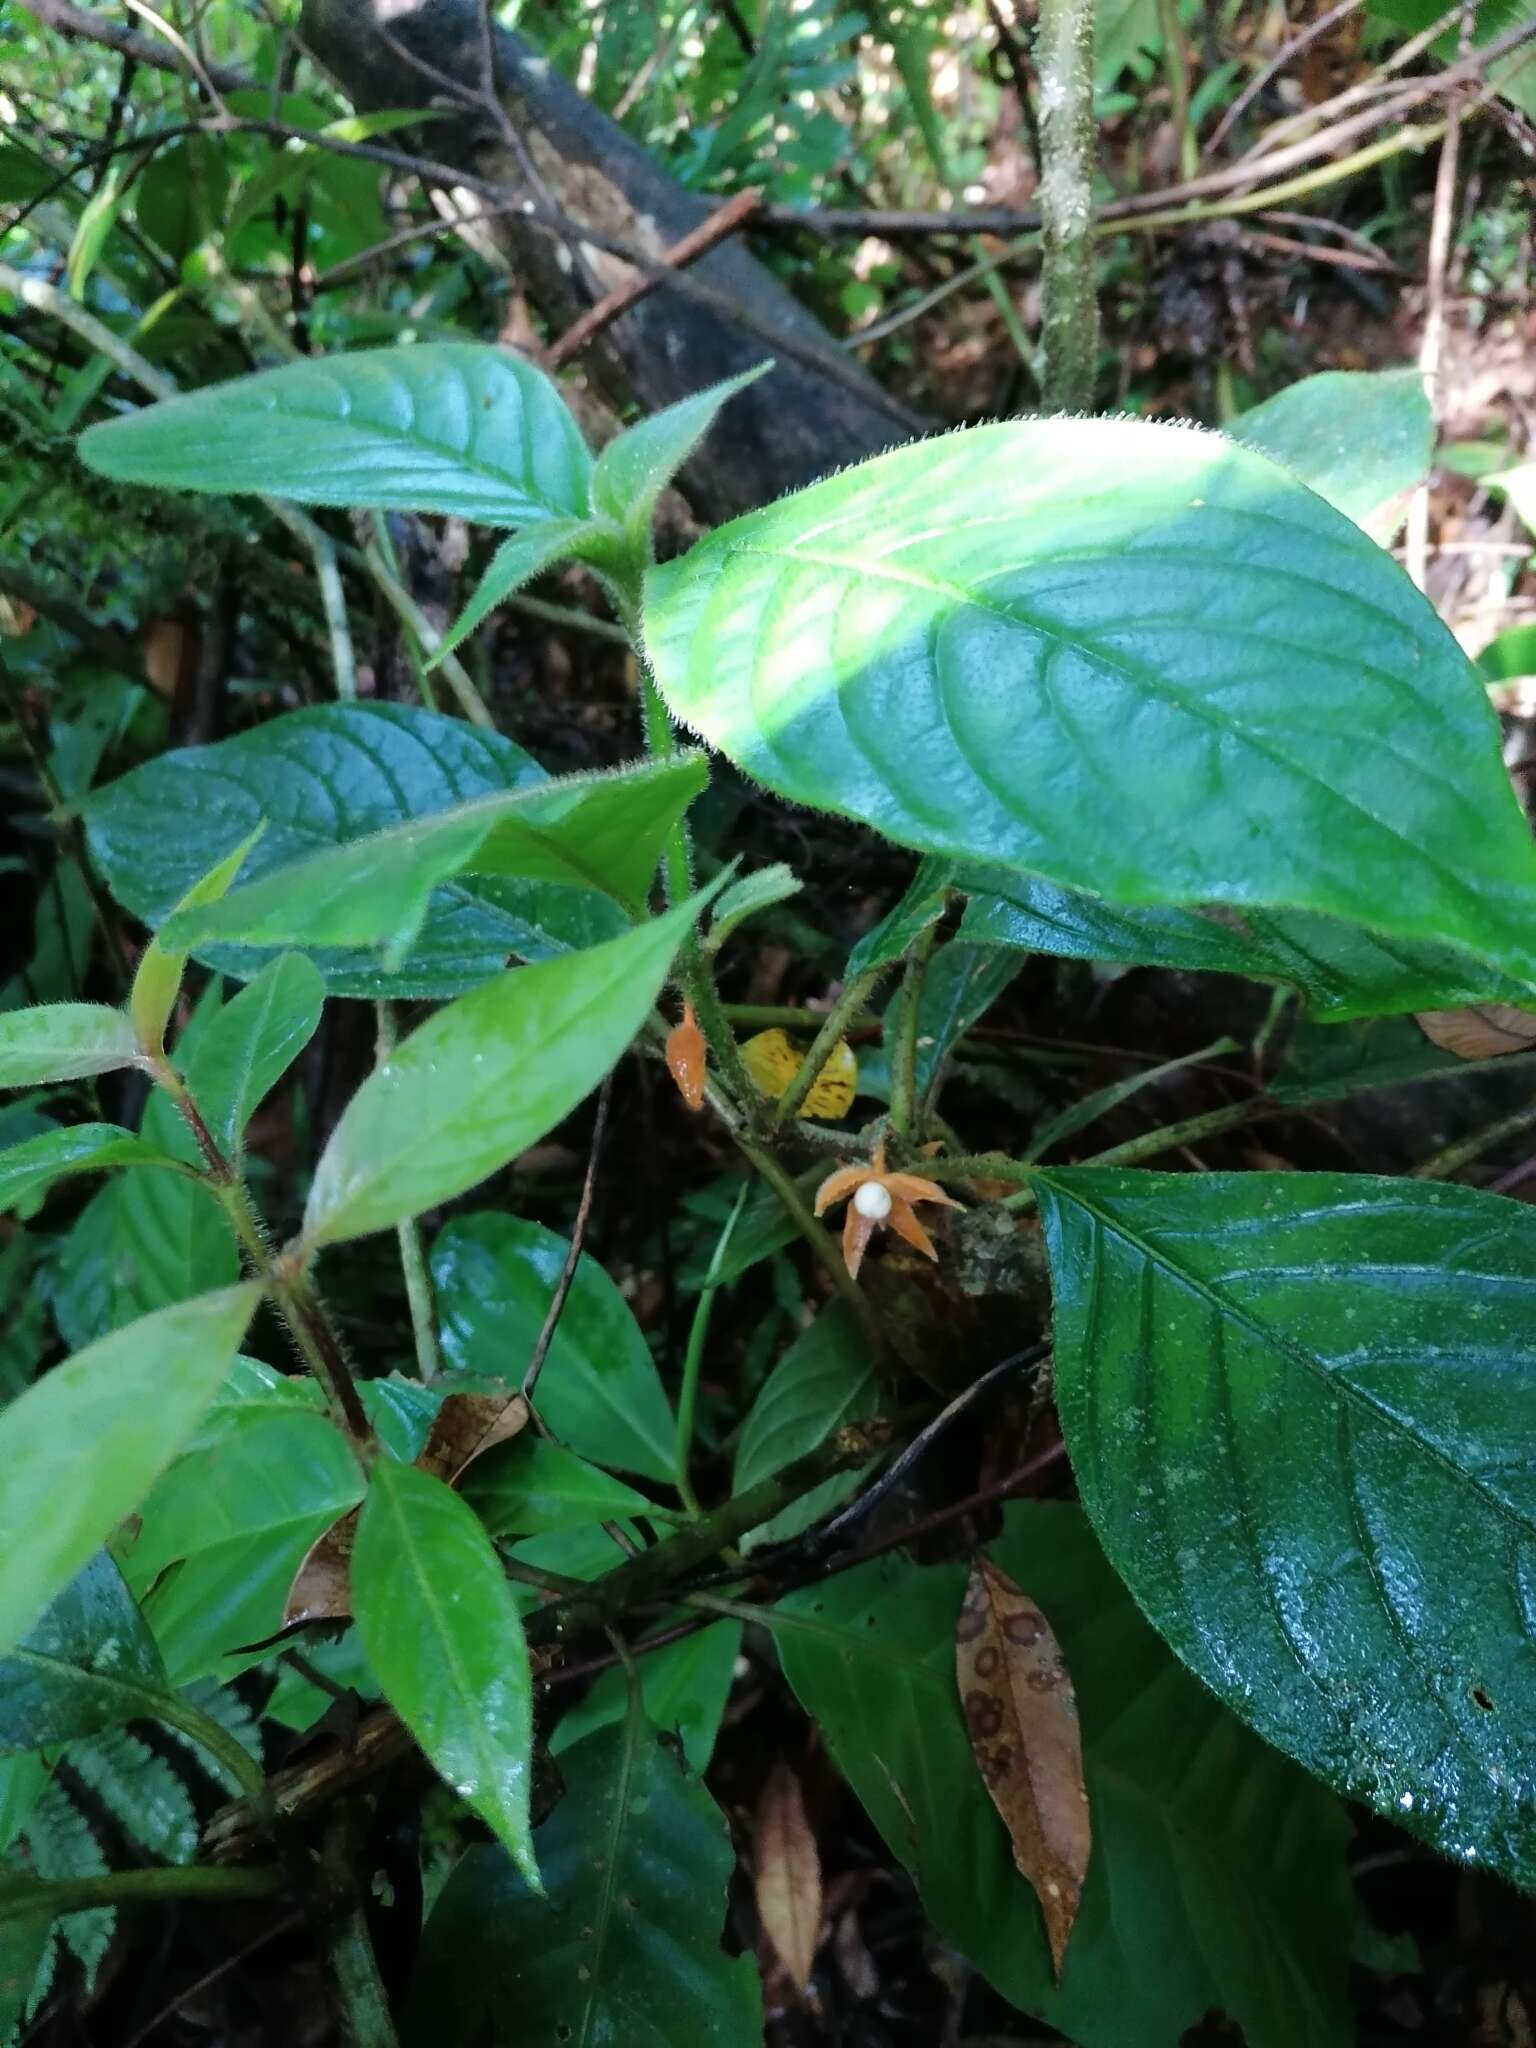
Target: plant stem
column 354, row 1966
column 827, row 1253
column 904, row 1051
column 1452, row 1158
column 23, row 1899
column 833, row 1026
column 1176, row 70
column 791, row 1016
column 177, row 1710
column 413, row 1264
column 693, row 1358
column 1228, row 1118
column 1069, row 328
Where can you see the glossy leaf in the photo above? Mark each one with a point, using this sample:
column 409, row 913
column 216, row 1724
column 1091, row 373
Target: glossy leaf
column 1362, row 439
column 540, row 1487
column 248, row 1046
column 952, row 643
column 322, row 778
column 922, row 905
column 494, row 1277
column 1295, row 1405
column 63, row 1042
column 1339, row 970
column 157, row 980
column 484, row 1078
column 825, row 1380
column 636, row 1859
column 90, row 1663
column 602, row 832
column 1217, row 1879
column 516, row 562
column 764, row 889
column 636, row 466
column 442, row 1633
column 81, row 1447
column 439, row 427
column 222, row 1532
column 684, row 1688
column 33, row 1165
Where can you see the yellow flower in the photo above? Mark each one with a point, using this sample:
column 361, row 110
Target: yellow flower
column 879, row 1198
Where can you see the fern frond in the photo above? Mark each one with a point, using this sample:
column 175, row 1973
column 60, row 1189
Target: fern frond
column 60, row 1843
column 141, row 1792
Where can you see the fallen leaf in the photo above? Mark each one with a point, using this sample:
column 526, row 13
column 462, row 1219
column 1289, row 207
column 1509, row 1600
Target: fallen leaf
column 1021, row 1716
column 788, row 1874
column 467, row 1425
column 322, row 1585
column 1482, row 1032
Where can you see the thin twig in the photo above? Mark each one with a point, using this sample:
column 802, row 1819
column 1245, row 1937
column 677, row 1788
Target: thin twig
column 558, row 1299
column 1442, row 221
column 1287, row 54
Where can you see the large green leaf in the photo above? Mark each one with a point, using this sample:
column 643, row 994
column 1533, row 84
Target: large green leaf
column 81, row 1448
column 1217, row 1877
column 1299, row 1408
column 636, row 1859
column 1340, row 970
column 323, row 778
column 223, row 1531
column 1136, row 659
column 684, row 1688
column 440, row 427
column 495, row 1277
column 1362, row 439
column 443, row 1635
column 63, row 1042
column 825, row 1380
column 26, row 1169
column 484, row 1078
column 602, row 832
column 90, row 1663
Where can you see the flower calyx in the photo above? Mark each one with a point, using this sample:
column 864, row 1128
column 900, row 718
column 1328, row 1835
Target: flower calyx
column 879, row 1199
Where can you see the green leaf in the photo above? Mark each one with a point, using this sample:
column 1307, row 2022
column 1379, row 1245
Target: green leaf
column 1296, row 1405
column 1514, row 77
column 601, row 832
column 157, row 982
column 439, row 427
column 636, row 466
column 441, row 1631
column 922, row 905
column 636, row 1860
column 484, row 1078
column 1340, row 971
column 961, row 984
column 951, row 643
column 248, row 1045
column 761, row 890
column 494, row 1278
column 141, row 1791
column 684, row 1688
column 1359, row 438
column 1217, row 1878
column 516, row 562
column 532, row 1487
column 322, row 778
column 223, row 1531
column 97, row 219
column 28, row 1168
column 63, row 1042
column 825, row 1380
column 90, row 1663
column 81, row 1448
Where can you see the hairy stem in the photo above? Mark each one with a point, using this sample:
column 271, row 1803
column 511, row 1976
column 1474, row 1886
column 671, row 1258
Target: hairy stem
column 833, row 1025
column 1069, row 328
column 26, row 1898
column 904, row 1051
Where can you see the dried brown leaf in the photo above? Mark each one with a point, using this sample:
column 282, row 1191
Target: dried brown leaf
column 322, row 1585
column 788, row 1874
column 1021, row 1715
column 1481, row 1032
column 465, row 1426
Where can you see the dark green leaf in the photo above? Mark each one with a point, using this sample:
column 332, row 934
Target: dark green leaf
column 952, row 642
column 484, row 1078
column 81, row 1448
column 825, row 1380
column 1217, row 1878
column 1296, row 1405
column 922, row 905
column 27, row 1168
column 684, row 1688
column 440, row 427
column 495, row 1277
column 1359, row 438
column 603, row 832
column 636, row 1859
column 533, row 1487
column 323, row 778
column 440, row 1629
column 63, row 1042
column 90, row 1663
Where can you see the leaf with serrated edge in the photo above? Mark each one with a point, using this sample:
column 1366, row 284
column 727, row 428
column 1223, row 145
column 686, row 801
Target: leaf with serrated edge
column 1295, row 1405
column 787, row 1874
column 1021, row 1716
column 952, row 642
column 450, row 427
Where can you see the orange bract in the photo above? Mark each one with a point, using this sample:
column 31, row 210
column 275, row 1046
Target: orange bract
column 687, row 1057
column 901, row 1190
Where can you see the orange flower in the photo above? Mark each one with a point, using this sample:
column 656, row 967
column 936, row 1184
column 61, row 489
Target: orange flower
column 687, row 1056
column 879, row 1198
